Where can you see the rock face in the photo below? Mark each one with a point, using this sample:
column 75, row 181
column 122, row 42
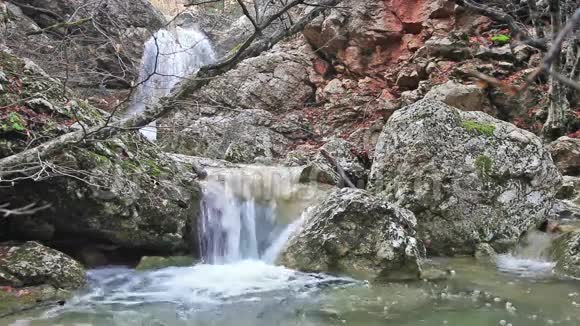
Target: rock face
column 123, row 191
column 372, row 32
column 34, row 264
column 360, row 234
column 468, row 177
column 565, row 251
column 112, row 55
column 566, row 154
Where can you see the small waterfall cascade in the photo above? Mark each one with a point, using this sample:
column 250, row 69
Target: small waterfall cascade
column 530, row 257
column 170, row 56
column 249, row 213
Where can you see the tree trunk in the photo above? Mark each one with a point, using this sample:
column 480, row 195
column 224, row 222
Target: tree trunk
column 559, row 106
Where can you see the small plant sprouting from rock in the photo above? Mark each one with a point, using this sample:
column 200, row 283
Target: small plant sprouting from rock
column 483, row 165
column 501, row 39
column 481, row 128
column 13, row 122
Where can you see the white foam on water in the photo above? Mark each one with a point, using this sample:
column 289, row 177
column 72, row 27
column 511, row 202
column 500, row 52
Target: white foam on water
column 530, row 258
column 525, row 267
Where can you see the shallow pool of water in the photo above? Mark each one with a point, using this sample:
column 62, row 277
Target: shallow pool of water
column 256, row 293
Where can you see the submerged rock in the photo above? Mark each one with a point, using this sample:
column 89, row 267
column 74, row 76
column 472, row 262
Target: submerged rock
column 468, row 177
column 156, row 262
column 357, row 233
column 34, row 297
column 33, row 264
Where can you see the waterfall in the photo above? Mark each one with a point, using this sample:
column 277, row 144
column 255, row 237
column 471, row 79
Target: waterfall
column 529, row 258
column 246, row 213
column 170, row 55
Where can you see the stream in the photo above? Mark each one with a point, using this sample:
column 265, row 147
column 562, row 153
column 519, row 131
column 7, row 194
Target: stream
column 248, row 214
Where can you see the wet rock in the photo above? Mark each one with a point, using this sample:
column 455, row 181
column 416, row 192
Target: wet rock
column 468, row 177
column 357, row 233
column 156, row 262
column 565, row 251
column 34, row 297
column 485, row 252
column 566, row 154
column 33, row 264
column 461, row 96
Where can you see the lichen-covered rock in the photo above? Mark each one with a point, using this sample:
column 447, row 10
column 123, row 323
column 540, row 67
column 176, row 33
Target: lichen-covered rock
column 122, row 191
column 33, row 264
column 357, row 233
column 321, row 170
column 566, row 154
column 469, row 178
column 565, row 251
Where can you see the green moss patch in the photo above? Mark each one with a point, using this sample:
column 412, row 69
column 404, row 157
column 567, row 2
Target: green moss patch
column 483, row 165
column 479, row 128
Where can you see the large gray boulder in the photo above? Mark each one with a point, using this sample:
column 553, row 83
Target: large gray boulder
column 469, row 178
column 34, row 264
column 245, row 114
column 359, row 234
column 239, row 138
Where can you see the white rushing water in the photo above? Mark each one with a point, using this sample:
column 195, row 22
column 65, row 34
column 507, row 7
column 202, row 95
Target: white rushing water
column 249, row 213
column 170, row 56
column 530, row 258
column 247, row 217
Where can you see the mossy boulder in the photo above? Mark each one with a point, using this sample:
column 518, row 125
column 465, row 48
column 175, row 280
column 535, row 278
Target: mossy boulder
column 359, row 234
column 33, row 264
column 468, row 177
column 158, row 262
column 123, row 191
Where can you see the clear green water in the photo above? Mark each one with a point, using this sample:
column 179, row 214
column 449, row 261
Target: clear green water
column 254, row 293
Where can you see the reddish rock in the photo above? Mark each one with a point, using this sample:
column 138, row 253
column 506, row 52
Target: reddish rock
column 321, row 67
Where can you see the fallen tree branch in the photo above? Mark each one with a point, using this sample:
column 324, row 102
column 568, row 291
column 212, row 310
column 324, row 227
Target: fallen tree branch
column 60, row 25
column 21, row 211
column 251, row 48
